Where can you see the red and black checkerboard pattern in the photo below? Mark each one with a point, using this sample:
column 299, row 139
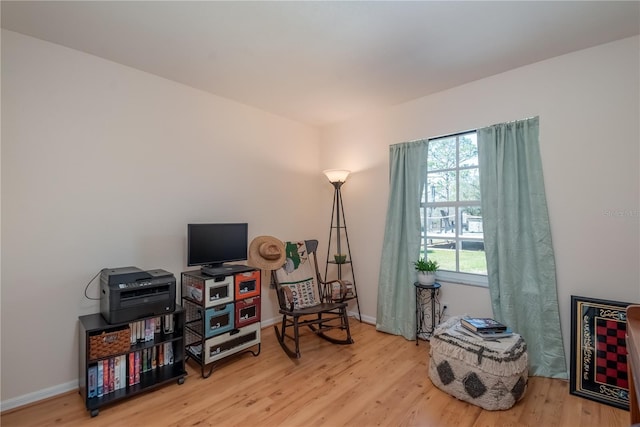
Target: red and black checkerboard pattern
column 611, row 353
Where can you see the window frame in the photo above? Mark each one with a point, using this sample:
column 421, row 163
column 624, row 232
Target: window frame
column 475, row 279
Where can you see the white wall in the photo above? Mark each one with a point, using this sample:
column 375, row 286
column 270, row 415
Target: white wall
column 104, row 166
column 588, row 103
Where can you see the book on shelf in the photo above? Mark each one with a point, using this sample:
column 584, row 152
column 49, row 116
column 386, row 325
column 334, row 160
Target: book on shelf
column 154, row 358
column 168, row 323
column 136, row 362
column 123, row 371
column 105, row 376
column 168, row 354
column 116, row 373
column 132, row 369
column 112, row 374
column 158, row 323
column 482, row 324
column 93, row 381
column 100, row 380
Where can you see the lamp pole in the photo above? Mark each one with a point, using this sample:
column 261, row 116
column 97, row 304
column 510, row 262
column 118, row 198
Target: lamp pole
column 337, row 178
column 335, row 214
column 337, row 198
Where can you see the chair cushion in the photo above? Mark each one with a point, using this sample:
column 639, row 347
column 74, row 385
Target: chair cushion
column 298, row 275
column 305, row 294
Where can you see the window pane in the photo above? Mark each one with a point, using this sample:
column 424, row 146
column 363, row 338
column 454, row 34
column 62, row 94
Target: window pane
column 472, row 258
column 441, row 187
column 471, row 221
column 468, row 150
column 470, row 184
column 444, row 252
column 441, row 154
column 441, row 221
column 452, row 232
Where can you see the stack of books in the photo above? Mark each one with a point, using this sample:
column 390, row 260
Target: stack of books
column 485, row 328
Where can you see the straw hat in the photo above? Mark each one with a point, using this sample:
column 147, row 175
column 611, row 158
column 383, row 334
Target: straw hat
column 267, row 253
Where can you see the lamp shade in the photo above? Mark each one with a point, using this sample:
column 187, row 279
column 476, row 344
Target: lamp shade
column 337, row 175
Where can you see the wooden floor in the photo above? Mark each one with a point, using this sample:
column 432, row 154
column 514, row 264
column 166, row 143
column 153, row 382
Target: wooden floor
column 379, row 380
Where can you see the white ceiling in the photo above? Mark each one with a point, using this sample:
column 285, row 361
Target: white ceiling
column 322, row 62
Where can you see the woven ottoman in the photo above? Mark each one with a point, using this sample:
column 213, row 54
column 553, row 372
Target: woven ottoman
column 489, row 374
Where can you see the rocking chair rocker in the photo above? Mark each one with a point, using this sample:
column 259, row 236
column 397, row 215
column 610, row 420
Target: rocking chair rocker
column 306, row 300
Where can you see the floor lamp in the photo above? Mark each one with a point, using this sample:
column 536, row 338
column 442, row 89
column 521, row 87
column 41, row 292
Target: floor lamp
column 337, row 177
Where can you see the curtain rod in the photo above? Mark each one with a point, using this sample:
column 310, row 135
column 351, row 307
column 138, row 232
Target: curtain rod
column 462, row 132
column 510, row 121
column 435, row 137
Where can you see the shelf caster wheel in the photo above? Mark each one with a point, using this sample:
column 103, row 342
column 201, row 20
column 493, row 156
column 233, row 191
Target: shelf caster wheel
column 94, row 412
column 181, row 380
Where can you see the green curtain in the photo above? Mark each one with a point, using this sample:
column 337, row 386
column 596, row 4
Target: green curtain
column 401, row 247
column 520, row 260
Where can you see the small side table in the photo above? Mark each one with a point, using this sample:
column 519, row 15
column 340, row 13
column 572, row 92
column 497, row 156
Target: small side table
column 426, row 294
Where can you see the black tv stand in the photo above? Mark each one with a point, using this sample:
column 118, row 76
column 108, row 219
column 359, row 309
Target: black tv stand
column 225, row 269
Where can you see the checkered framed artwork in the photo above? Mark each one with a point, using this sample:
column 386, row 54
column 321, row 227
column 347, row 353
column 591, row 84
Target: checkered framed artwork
column 599, row 351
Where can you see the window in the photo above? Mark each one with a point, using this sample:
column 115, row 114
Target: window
column 450, row 212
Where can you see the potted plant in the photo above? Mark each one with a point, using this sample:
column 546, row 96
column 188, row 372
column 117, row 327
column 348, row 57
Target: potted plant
column 340, row 258
column 426, row 269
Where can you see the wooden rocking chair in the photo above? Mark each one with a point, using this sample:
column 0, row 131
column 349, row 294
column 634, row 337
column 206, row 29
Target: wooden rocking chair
column 306, row 300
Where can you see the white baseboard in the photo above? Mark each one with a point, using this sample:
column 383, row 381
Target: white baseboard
column 365, row 319
column 36, row 396
column 46, row 393
column 268, row 322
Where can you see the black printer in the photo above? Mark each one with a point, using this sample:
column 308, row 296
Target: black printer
column 129, row 293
